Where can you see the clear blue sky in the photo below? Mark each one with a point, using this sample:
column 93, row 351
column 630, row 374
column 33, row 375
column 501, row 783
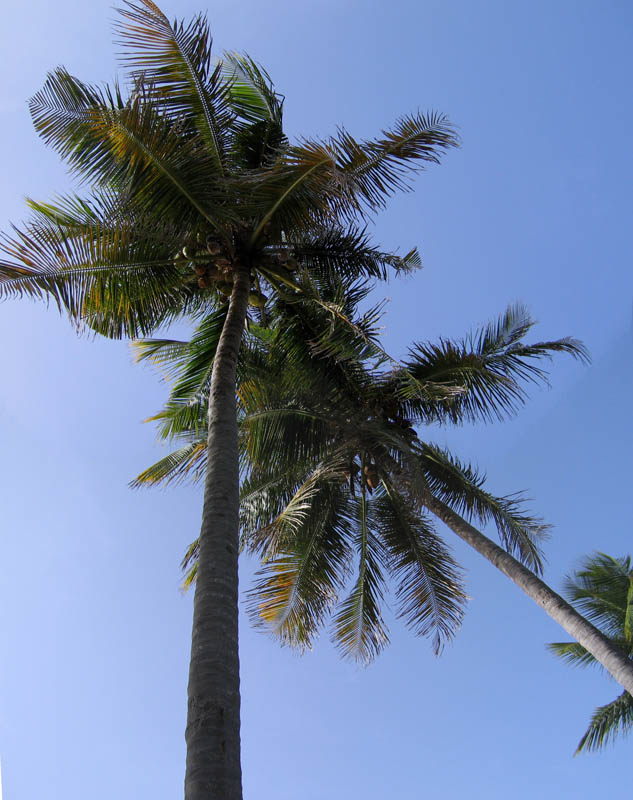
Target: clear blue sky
column 536, row 207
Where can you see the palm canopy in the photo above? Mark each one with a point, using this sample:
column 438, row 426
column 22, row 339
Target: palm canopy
column 190, row 175
column 196, row 205
column 602, row 590
column 334, row 474
column 194, row 194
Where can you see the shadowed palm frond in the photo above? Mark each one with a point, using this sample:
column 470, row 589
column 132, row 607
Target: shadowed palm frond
column 607, row 722
column 66, row 114
column 128, row 143
column 358, row 629
column 372, row 171
column 462, row 488
column 429, row 590
column 113, row 279
column 572, row 653
column 602, row 590
column 347, row 253
column 186, row 463
column 486, row 370
column 296, row 589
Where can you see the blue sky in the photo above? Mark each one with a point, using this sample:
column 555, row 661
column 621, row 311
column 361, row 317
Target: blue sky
column 536, row 207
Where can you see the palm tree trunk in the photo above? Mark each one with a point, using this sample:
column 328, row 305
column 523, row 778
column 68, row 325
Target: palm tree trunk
column 610, row 656
column 213, row 715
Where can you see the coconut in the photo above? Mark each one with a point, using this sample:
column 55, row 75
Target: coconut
column 257, row 299
column 225, row 288
column 224, row 264
column 214, row 248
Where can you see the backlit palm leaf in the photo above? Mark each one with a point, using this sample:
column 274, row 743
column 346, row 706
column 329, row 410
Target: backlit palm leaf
column 174, row 62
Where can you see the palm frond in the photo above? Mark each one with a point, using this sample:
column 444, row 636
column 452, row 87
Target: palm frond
column 296, row 193
column 277, row 437
column 251, row 93
column 358, row 629
column 347, row 253
column 486, row 371
column 296, row 590
column 572, row 653
column 129, row 143
column 462, row 488
column 429, row 590
column 186, row 463
column 372, row 171
column 66, row 113
column 601, row 590
column 607, row 722
column 174, row 62
column 113, row 278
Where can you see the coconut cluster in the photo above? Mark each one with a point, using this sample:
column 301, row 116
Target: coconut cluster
column 213, row 266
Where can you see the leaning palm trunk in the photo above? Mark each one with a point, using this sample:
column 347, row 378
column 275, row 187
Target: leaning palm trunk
column 213, row 716
column 608, row 654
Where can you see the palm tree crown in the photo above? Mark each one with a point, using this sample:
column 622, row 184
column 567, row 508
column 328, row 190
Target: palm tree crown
column 199, row 206
column 334, row 472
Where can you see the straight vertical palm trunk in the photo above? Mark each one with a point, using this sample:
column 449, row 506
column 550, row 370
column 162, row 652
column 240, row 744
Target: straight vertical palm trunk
column 610, row 656
column 213, row 769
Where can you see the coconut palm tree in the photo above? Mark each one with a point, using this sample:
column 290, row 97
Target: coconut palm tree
column 343, row 441
column 199, row 205
column 602, row 590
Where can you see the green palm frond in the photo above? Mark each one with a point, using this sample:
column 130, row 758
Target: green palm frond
column 174, row 62
column 348, row 253
column 263, row 498
column 462, row 488
column 321, row 328
column 372, row 171
column 112, row 279
column 429, row 590
column 277, row 437
column 186, row 463
column 66, row 114
column 608, row 722
column 128, row 143
column 337, row 335
column 297, row 192
column 486, row 371
column 572, row 653
column 165, row 354
column 341, row 178
column 189, row 565
column 251, row 93
column 295, row 590
column 358, row 629
column 601, row 590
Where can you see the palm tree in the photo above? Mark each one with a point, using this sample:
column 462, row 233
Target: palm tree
column 335, row 468
column 602, row 590
column 198, row 196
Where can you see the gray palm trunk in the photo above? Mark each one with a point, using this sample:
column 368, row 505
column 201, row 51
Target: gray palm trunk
column 213, row 770
column 610, row 656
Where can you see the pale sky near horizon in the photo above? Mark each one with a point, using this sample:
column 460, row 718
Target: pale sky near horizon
column 535, row 207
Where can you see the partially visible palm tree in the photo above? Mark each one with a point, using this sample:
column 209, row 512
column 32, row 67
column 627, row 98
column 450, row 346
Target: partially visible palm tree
column 295, row 372
column 335, row 441
column 198, row 196
column 602, row 590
